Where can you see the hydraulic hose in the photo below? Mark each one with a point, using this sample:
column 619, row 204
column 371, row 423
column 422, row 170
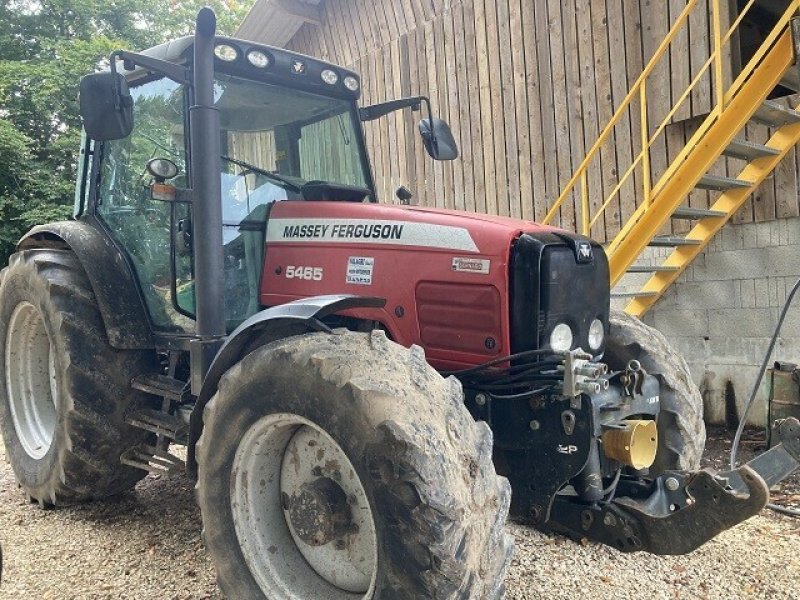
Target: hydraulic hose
column 751, row 400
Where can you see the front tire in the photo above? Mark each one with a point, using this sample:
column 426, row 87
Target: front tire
column 64, row 391
column 315, row 419
column 681, row 431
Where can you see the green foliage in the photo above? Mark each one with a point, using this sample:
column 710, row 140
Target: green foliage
column 46, row 46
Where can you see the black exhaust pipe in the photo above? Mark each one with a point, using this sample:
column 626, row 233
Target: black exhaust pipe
column 206, row 186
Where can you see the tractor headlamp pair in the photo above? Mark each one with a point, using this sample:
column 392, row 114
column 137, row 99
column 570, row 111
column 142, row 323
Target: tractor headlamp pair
column 561, row 337
column 228, row 53
column 331, row 77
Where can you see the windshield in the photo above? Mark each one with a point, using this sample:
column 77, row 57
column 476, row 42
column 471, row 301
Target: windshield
column 275, row 139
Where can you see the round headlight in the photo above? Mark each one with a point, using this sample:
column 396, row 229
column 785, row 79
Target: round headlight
column 351, row 83
column 162, row 168
column 597, row 333
column 258, row 59
column 329, row 76
column 226, row 52
column 561, row 338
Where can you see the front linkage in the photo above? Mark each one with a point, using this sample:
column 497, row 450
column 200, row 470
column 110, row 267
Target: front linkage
column 603, row 425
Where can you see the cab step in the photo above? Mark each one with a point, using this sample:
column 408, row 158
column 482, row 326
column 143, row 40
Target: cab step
column 163, row 386
column 162, row 424
column 153, row 460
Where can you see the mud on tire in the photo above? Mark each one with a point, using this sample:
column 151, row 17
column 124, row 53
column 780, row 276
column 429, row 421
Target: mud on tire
column 89, row 383
column 438, row 507
column 682, row 433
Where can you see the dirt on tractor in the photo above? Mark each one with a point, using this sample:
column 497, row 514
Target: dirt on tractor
column 146, row 544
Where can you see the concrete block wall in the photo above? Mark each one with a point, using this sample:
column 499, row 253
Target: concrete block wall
column 722, row 311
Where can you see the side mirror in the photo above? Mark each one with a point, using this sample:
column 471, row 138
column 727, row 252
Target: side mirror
column 106, row 106
column 438, row 139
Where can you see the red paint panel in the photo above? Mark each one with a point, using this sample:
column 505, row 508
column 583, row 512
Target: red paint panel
column 456, row 317
column 460, row 317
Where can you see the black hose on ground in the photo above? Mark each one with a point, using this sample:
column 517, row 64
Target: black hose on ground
column 751, row 400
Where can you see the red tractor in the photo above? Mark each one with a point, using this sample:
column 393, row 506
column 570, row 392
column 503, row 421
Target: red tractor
column 348, row 377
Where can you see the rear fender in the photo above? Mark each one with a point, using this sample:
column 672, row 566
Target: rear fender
column 114, row 286
column 278, row 322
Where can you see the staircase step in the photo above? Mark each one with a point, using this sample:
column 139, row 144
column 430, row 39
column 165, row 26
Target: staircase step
column 721, row 184
column 152, row 460
column 747, row 150
column 773, row 114
column 633, row 294
column 160, row 423
column 670, row 241
column 652, row 269
column 161, row 385
column 687, row 212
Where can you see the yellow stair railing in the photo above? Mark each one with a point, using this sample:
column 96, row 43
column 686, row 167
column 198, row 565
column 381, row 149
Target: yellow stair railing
column 743, row 101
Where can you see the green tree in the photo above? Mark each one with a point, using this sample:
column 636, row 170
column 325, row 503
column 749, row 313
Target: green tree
column 46, row 46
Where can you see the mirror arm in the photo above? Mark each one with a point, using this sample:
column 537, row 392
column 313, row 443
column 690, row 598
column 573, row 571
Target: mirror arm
column 173, row 71
column 376, row 111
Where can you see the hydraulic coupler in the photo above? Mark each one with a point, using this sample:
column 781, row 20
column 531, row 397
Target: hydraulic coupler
column 679, row 511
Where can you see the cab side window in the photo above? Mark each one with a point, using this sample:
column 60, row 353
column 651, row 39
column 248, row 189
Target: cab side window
column 138, row 223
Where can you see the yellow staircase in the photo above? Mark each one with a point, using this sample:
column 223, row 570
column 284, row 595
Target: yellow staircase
column 720, row 134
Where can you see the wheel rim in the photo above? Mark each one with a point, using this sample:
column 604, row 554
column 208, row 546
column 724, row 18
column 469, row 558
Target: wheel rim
column 301, row 514
column 31, row 380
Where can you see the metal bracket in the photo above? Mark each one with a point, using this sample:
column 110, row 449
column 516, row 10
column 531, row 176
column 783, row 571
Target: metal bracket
column 167, row 193
column 657, row 525
column 632, row 378
column 130, row 60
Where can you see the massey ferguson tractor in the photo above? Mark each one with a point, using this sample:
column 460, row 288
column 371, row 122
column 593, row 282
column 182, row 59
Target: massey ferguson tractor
column 349, row 378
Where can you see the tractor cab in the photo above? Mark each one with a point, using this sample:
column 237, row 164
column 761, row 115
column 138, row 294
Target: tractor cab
column 289, row 130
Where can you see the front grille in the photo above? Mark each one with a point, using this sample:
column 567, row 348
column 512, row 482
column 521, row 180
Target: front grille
column 549, row 285
column 573, row 293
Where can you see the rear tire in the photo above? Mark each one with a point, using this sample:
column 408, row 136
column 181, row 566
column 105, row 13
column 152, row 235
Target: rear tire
column 438, row 508
column 681, row 431
column 64, row 391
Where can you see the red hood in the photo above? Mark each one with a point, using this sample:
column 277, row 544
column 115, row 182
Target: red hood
column 509, row 222
column 491, row 235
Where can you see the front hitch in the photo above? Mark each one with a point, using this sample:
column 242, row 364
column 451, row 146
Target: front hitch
column 678, row 512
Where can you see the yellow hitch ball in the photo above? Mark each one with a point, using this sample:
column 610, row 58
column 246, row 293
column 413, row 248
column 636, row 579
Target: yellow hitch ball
column 635, row 445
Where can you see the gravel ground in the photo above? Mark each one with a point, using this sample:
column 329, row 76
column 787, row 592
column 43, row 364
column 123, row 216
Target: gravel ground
column 146, row 544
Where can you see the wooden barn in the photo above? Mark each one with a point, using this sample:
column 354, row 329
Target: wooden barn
column 527, row 86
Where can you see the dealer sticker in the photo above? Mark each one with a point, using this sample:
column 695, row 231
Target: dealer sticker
column 359, row 270
column 471, row 265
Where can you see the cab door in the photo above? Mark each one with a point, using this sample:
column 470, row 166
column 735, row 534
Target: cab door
column 142, row 226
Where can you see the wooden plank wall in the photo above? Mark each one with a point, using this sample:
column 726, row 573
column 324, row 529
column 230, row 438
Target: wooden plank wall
column 526, row 85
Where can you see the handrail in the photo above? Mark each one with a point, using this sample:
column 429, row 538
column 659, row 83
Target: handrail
column 639, row 90
column 663, row 125
column 634, row 91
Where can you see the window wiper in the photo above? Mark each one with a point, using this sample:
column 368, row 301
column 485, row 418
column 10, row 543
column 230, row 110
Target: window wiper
column 277, row 177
